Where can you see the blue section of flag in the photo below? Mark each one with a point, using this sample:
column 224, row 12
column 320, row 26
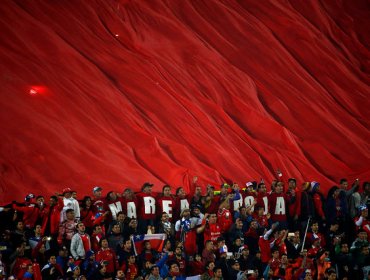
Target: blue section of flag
column 139, row 237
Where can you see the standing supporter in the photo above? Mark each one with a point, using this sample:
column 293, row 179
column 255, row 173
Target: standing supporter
column 293, row 245
column 211, row 202
column 182, row 201
column 315, row 234
column 262, row 197
column 165, row 203
column 294, row 207
column 197, row 198
column 336, row 206
column 208, row 274
column 52, row 271
column 69, row 203
column 90, row 266
column 87, row 213
column 147, row 209
column 131, row 229
column 265, row 244
column 307, row 205
column 208, row 254
column 246, row 259
column 107, row 256
column 211, row 228
column 278, row 206
column 362, row 221
column 318, row 202
column 224, row 215
column 344, row 261
column 19, row 261
column 354, row 202
column 250, row 195
column 174, row 272
column 124, row 251
column 165, row 226
column 262, row 219
column 67, row 229
column 187, row 229
column 148, row 254
column 238, row 198
column 121, row 220
column 243, row 215
column 80, row 242
column 96, row 236
column 98, row 200
column 18, row 235
column 62, row 258
column 236, row 231
column 115, row 237
column 130, row 268
column 50, row 223
column 252, row 237
column 31, row 212
column 129, row 201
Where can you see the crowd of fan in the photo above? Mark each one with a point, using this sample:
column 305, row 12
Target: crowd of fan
column 291, row 232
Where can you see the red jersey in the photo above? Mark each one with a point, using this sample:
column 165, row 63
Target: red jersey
column 212, row 232
column 181, row 203
column 110, row 256
column 278, row 207
column 129, row 207
column 294, row 208
column 165, row 204
column 146, row 206
column 114, row 207
column 30, row 214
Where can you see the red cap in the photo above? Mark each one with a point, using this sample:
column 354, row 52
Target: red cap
column 65, row 190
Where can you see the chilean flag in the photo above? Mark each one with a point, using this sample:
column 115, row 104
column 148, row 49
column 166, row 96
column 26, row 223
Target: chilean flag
column 156, row 240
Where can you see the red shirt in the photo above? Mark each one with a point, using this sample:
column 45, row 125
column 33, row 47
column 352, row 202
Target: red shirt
column 278, row 207
column 86, row 242
column 165, row 204
column 146, row 206
column 110, row 256
column 212, row 232
column 225, row 219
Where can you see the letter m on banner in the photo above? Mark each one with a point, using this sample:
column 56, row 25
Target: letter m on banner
column 156, row 241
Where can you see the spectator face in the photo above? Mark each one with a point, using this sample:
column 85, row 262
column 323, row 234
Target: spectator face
column 104, row 243
column 254, row 225
column 40, row 201
column 365, row 250
column 332, row 276
column 218, row 273
column 174, row 268
column 116, row 229
column 209, row 246
column 52, row 202
column 198, row 191
column 131, row 259
column 211, row 265
column 148, row 246
column 178, row 251
column 275, row 254
column 121, row 217
column 155, row 271
column 212, row 219
column 127, row 245
column 165, row 217
column 291, row 185
column 315, row 227
column 20, row 226
column 81, row 228
column 53, row 260
column 112, row 196
column 147, row 189
column 362, row 235
column 239, row 224
column 98, row 230
column 236, row 266
column 70, row 215
column 120, row 274
column 97, row 193
column 344, row 248
column 167, row 191
column 181, row 192
column 74, row 195
column 38, row 230
column 279, row 187
column 344, row 185
column 262, row 188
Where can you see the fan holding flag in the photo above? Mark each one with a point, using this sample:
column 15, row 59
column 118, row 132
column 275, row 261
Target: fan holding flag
column 156, row 241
